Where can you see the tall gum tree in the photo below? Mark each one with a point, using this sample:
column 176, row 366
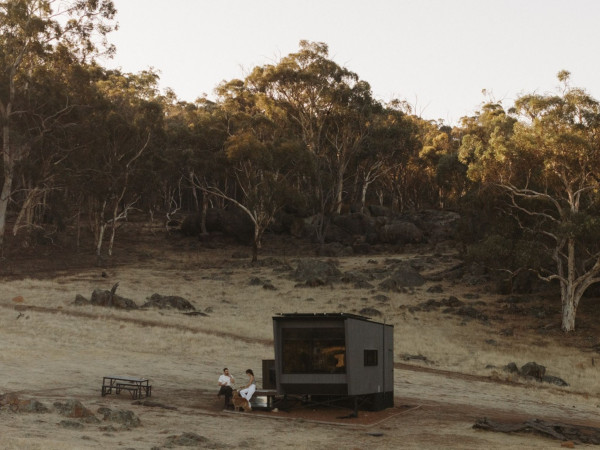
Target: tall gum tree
column 548, row 166
column 329, row 108
column 31, row 31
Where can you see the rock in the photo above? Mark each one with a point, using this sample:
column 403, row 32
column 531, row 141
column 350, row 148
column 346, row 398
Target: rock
column 402, row 276
column 369, row 312
column 188, row 440
column 80, row 300
column 355, row 224
column 73, row 408
column 451, row 302
column 534, row 370
column 435, row 289
column 469, row 311
column 16, row 404
column 109, row 299
column 124, row 417
column 419, row 357
column 255, row 281
column 316, row 273
column 400, row 233
column 168, row 301
column 381, row 298
column 554, row 380
column 511, row 368
column 71, row 424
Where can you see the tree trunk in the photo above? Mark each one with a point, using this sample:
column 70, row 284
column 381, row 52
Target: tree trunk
column 568, row 314
column 8, row 181
column 203, row 214
column 340, row 191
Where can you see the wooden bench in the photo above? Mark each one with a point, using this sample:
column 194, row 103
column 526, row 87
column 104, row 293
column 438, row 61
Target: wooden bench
column 135, row 386
column 263, row 399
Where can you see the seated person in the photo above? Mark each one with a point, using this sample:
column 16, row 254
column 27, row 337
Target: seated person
column 225, row 383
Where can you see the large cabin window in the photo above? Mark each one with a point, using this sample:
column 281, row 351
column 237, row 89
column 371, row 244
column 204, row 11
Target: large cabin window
column 313, row 350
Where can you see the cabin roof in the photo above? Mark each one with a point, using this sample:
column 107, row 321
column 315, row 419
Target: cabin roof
column 322, row 316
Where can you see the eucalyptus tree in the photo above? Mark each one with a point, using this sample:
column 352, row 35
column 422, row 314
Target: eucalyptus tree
column 327, row 106
column 384, row 161
column 193, row 153
column 548, row 166
column 127, row 120
column 31, row 34
column 260, row 156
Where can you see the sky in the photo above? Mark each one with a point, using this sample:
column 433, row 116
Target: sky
column 438, row 55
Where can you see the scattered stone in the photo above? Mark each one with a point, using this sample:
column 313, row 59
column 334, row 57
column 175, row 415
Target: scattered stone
column 369, row 312
column 71, row 424
column 435, row 289
column 471, row 312
column 168, row 302
column 188, row 440
column 419, row 357
column 18, row 405
column 124, row 417
column 255, row 281
column 554, row 380
column 269, row 287
column 73, row 408
column 560, row 431
column 381, row 298
column 451, row 302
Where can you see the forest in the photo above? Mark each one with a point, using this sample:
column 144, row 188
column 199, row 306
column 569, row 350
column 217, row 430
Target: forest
column 84, row 148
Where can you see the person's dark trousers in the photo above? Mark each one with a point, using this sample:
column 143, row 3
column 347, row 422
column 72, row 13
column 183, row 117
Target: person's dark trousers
column 227, row 391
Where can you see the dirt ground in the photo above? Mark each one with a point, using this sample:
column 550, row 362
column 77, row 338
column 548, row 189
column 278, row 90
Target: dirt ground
column 55, row 351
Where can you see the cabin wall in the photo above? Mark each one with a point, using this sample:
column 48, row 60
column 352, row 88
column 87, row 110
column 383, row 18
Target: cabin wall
column 370, row 336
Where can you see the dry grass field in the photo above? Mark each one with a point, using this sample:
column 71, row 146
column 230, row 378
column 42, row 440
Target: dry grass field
column 449, row 367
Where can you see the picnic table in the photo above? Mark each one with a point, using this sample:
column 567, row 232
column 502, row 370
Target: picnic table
column 135, row 386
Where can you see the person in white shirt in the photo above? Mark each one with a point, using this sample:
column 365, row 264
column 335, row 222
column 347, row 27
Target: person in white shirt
column 225, row 382
column 249, row 389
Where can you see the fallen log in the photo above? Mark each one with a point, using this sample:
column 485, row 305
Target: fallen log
column 559, row 431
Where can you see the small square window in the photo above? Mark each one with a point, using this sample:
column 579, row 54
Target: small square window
column 370, row 358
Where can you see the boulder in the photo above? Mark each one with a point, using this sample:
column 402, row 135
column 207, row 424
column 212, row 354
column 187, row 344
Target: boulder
column 73, row 409
column 168, row 301
column 124, row 417
column 110, row 299
column 534, row 370
column 400, row 232
column 315, row 272
column 402, row 276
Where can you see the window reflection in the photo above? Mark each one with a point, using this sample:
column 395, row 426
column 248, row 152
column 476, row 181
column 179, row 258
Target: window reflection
column 313, row 350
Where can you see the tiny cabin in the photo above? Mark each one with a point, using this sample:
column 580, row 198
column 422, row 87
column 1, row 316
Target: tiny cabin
column 334, row 354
